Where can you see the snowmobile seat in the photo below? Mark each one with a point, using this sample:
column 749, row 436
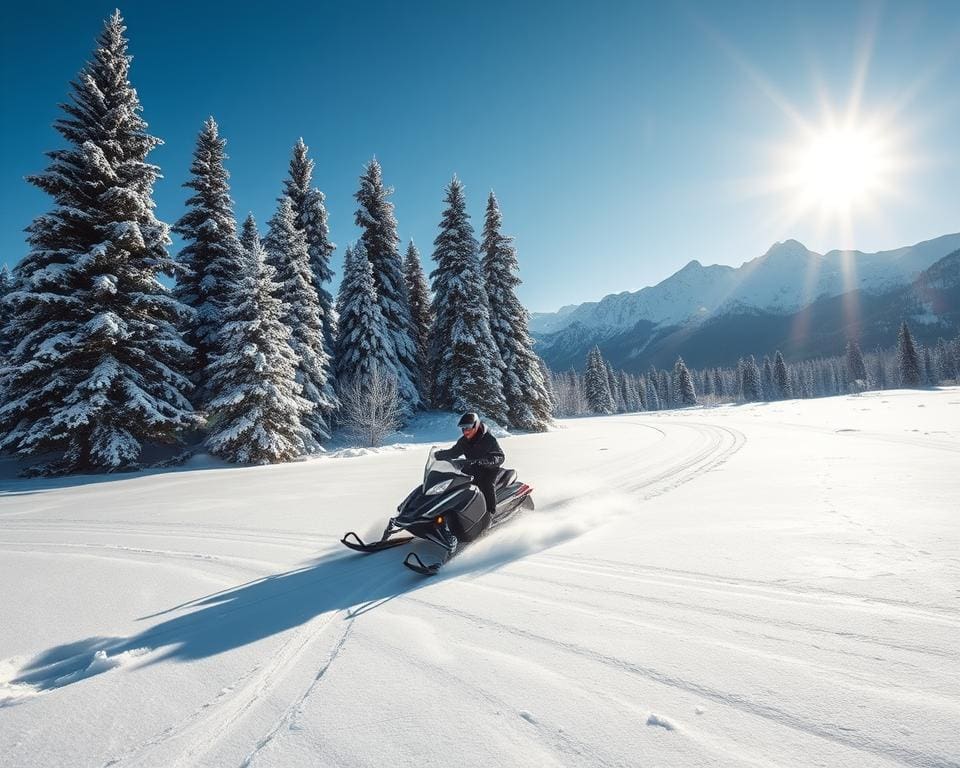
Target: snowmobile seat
column 504, row 478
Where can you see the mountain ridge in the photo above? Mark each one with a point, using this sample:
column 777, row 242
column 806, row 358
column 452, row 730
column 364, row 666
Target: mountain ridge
column 930, row 302
column 787, row 277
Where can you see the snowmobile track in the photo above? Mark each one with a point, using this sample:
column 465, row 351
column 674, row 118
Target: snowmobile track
column 749, row 706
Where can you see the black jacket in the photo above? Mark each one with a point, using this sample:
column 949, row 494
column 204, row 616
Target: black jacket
column 483, row 450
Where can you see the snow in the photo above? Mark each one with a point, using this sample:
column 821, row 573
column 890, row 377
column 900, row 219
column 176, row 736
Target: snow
column 786, row 278
column 768, row 584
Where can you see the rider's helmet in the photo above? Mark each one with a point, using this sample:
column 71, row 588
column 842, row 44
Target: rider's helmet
column 469, row 424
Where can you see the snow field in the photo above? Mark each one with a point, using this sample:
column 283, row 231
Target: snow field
column 774, row 584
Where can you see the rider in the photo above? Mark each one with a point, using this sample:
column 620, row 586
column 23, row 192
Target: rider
column 483, row 453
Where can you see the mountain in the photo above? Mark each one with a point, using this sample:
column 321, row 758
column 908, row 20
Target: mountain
column 786, row 278
column 739, row 327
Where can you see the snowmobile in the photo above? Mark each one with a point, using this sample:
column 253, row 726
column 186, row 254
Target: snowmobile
column 448, row 510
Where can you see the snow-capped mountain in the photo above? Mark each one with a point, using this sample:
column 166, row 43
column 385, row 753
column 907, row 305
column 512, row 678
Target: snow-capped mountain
column 786, row 278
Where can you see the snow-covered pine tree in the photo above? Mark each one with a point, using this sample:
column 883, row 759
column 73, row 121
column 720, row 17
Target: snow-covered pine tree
column 596, row 383
column 807, row 385
column 796, row 382
column 880, row 369
column 463, row 355
column 212, row 258
column 686, row 394
column 6, row 336
column 740, row 374
column 250, row 239
column 375, row 218
column 766, row 377
column 547, row 384
column 616, row 396
column 718, row 389
column 369, row 405
column 310, row 216
column 528, row 403
column 931, row 375
column 707, row 387
column 664, row 390
column 287, row 254
column 99, row 368
column 418, row 294
column 908, row 361
column 856, row 368
column 653, row 397
column 781, row 379
column 752, row 381
column 946, row 361
column 561, row 394
column 628, row 389
column 255, row 409
column 362, row 330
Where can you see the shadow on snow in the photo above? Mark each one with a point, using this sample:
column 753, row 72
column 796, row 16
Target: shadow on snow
column 233, row 618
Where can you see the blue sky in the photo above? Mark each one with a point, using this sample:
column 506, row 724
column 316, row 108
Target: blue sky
column 622, row 138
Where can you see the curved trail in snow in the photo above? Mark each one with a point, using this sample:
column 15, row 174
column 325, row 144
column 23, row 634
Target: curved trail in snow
column 569, row 655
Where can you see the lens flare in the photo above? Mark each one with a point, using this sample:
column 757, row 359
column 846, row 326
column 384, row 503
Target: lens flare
column 840, row 169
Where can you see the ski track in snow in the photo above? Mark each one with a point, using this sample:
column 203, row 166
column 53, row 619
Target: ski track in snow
column 267, row 704
column 758, row 709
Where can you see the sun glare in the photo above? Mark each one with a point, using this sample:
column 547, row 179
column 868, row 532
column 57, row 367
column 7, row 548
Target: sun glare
column 841, row 169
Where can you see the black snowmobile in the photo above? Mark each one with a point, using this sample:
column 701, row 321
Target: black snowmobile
column 448, row 510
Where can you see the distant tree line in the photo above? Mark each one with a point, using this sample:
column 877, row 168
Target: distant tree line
column 250, row 351
column 601, row 390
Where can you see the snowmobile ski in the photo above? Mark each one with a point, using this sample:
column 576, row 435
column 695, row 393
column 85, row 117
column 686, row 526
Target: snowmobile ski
column 414, row 563
column 377, row 546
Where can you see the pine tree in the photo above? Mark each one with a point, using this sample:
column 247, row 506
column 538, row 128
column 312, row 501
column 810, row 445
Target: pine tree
column 767, row 377
column 631, row 400
column 287, row 254
column 597, row 383
column 256, row 407
column 250, row 239
column 707, row 387
column 740, row 374
column 880, row 370
column 463, row 355
column 718, row 388
column 616, row 396
column 752, row 383
column 547, row 385
column 946, row 361
column 528, row 403
column 908, row 361
column 100, row 367
column 375, row 218
column 781, row 379
column 6, row 335
column 310, row 216
column 686, row 394
column 931, row 375
column 664, row 390
column 418, row 293
column 362, row 331
column 856, row 368
column 653, row 398
column 213, row 257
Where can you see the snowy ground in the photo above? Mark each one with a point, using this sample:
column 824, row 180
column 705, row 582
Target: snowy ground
column 762, row 585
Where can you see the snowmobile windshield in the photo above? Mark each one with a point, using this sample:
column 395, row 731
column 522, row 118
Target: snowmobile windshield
column 435, row 468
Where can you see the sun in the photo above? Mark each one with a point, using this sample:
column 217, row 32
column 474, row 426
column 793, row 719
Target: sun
column 840, row 169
